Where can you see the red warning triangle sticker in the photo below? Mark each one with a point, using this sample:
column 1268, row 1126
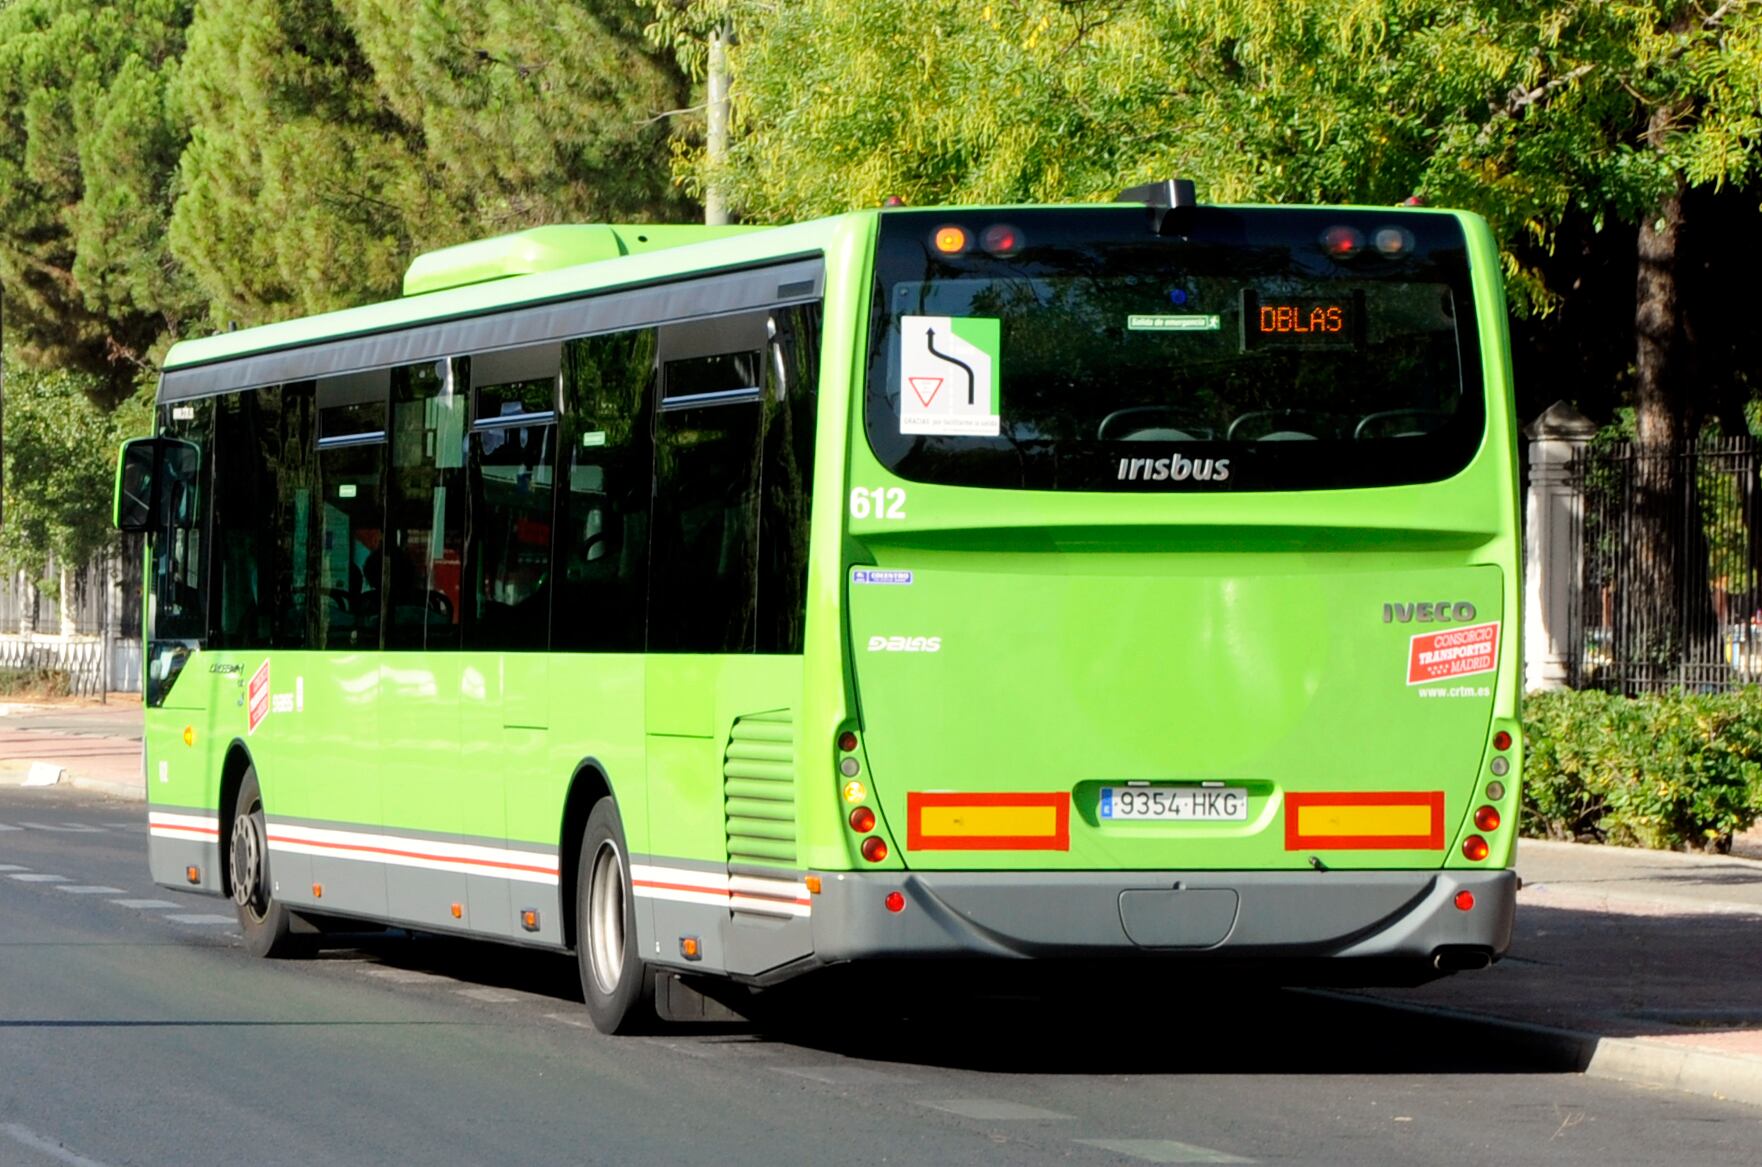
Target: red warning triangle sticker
column 926, row 388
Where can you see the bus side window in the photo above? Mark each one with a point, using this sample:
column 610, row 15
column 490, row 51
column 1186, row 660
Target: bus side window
column 792, row 381
column 703, row 594
column 425, row 527
column 603, row 507
column 513, row 460
column 350, row 528
column 264, row 478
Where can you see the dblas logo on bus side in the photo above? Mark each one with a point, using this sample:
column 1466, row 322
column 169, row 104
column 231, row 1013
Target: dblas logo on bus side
column 1174, row 469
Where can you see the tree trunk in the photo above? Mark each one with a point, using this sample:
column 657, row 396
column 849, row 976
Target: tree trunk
column 1661, row 416
column 715, row 201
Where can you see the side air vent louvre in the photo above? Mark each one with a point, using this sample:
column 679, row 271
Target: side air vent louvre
column 758, row 790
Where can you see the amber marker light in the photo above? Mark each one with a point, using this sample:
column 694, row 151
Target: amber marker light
column 1464, row 900
column 950, row 240
column 813, row 884
column 458, row 911
column 193, row 874
column 1487, row 818
column 855, row 792
column 1475, row 848
column 874, row 849
column 189, row 735
column 318, row 891
column 529, row 919
column 862, row 820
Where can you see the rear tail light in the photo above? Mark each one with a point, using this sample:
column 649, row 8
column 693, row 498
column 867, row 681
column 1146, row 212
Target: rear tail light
column 895, row 902
column 847, row 741
column 1475, row 848
column 1486, row 818
column 1464, row 900
column 874, row 849
column 1501, row 740
column 862, row 820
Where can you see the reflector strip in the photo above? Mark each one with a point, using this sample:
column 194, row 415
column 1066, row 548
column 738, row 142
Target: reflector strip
column 404, row 851
column 988, row 822
column 1377, row 821
column 174, row 826
column 744, row 893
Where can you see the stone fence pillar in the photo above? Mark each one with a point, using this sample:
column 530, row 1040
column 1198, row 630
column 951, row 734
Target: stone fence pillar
column 1553, row 545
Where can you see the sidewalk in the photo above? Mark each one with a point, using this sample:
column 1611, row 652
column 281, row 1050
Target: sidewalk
column 1640, row 965
column 91, row 745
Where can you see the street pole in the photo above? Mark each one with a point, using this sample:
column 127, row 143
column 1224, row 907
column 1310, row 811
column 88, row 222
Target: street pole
column 715, row 204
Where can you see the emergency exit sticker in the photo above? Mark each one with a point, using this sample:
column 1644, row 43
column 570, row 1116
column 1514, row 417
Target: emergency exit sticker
column 257, row 699
column 948, row 375
column 1458, row 652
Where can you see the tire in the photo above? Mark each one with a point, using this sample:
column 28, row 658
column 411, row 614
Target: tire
column 268, row 926
column 617, row 983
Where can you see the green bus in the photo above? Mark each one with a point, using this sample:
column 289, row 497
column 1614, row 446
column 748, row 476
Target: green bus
column 1105, row 582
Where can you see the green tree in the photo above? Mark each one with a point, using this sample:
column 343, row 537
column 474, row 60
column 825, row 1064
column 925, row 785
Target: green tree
column 60, row 467
column 331, row 140
column 88, row 151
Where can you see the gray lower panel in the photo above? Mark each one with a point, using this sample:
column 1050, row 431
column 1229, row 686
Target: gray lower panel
column 1050, row 914
column 167, row 860
column 737, row 943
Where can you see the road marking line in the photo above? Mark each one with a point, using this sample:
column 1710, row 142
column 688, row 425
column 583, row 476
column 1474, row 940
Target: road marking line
column 12, row 867
column 145, row 903
column 39, row 877
column 89, row 889
column 70, row 829
column 992, row 1110
column 493, row 996
column 9, row 827
column 201, row 918
column 1163, row 1151
column 408, row 976
column 25, row 1136
column 577, row 1022
column 844, row 1075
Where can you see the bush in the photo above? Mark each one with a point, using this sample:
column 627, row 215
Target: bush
column 1678, row 771
column 35, row 681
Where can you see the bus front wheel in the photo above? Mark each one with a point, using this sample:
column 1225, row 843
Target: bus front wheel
column 266, row 923
column 615, row 980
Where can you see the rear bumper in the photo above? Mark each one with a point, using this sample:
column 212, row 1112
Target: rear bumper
column 1202, row 915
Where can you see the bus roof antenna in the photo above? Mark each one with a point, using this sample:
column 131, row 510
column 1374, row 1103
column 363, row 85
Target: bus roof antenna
column 1161, row 197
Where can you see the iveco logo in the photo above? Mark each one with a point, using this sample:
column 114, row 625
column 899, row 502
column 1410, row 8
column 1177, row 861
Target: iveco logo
column 1175, row 469
column 1436, row 612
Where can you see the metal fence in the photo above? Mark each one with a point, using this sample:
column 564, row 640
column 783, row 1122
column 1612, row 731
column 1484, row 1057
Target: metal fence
column 1670, row 588
column 82, row 623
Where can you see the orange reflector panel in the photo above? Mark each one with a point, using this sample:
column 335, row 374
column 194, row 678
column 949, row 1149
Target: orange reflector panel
column 318, row 891
column 690, row 949
column 458, row 911
column 1385, row 821
column 988, row 822
column 529, row 920
column 193, row 874
column 813, row 883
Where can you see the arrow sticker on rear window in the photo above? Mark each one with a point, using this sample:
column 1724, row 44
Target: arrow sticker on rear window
column 949, row 375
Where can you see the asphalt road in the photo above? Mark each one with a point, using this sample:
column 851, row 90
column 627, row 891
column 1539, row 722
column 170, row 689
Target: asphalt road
column 135, row 1030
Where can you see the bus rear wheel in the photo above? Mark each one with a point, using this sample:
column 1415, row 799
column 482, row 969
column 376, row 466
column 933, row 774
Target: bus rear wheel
column 616, row 982
column 267, row 924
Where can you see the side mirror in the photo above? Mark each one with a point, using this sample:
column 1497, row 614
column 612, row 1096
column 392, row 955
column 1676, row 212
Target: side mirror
column 155, row 479
column 137, row 474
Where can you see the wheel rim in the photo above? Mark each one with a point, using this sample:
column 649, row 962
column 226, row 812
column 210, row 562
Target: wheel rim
column 246, row 862
column 605, row 918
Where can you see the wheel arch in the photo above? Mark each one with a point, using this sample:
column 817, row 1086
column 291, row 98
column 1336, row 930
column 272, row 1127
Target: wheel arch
column 589, row 784
column 232, row 776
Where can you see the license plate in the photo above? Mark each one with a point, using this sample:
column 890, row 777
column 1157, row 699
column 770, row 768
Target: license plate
column 1174, row 803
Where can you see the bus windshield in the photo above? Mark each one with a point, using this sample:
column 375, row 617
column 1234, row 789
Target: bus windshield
column 1265, row 349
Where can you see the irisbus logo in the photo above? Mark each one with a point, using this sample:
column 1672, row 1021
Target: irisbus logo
column 1174, row 469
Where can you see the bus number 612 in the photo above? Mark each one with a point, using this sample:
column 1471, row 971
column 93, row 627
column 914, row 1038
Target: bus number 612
column 879, row 502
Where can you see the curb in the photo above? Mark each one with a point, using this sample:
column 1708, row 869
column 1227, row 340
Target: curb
column 1636, row 1060
column 116, row 788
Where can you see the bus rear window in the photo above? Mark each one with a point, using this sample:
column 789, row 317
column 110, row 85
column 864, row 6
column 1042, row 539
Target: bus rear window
column 1077, row 349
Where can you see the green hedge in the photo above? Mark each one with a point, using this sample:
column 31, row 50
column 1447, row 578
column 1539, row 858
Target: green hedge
column 1678, row 771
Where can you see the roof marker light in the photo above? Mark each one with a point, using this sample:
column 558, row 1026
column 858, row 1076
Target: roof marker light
column 1001, row 240
column 950, row 239
column 1342, row 242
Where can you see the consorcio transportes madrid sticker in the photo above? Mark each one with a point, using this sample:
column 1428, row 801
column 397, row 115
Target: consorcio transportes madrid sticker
column 948, row 375
column 1457, row 652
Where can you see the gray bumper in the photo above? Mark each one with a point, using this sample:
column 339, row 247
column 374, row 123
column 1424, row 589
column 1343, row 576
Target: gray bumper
column 1343, row 914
